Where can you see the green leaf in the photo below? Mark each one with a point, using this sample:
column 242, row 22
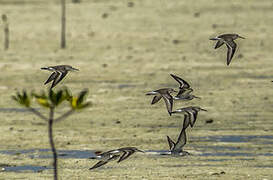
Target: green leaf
column 22, row 99
column 59, row 97
column 43, row 102
column 82, row 96
column 78, row 102
column 82, row 106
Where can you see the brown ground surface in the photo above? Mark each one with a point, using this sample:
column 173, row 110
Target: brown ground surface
column 123, row 52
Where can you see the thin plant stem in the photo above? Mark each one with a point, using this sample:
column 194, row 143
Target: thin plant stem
column 53, row 149
column 63, row 26
column 6, row 31
column 65, row 115
column 38, row 114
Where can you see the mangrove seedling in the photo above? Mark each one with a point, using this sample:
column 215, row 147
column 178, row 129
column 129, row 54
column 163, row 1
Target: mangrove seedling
column 51, row 100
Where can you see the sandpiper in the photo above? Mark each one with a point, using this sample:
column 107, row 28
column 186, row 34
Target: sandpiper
column 165, row 93
column 227, row 39
column 177, row 148
column 121, row 153
column 190, row 114
column 59, row 72
column 184, row 89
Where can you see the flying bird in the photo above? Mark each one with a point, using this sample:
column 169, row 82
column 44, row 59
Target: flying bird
column 58, row 73
column 166, row 94
column 228, row 40
column 184, row 89
column 190, row 115
column 176, row 148
column 121, row 154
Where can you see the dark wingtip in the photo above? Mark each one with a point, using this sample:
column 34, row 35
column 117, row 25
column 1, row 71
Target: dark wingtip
column 173, row 76
column 52, row 86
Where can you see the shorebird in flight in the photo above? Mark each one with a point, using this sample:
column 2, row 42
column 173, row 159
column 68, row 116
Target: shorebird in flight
column 190, row 115
column 166, row 94
column 59, row 72
column 184, row 89
column 121, row 153
column 228, row 40
column 176, row 148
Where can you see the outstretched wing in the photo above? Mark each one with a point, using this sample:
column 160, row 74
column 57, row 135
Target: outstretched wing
column 53, row 76
column 231, row 45
column 156, row 99
column 171, row 143
column 219, row 43
column 125, row 155
column 61, row 75
column 169, row 102
column 184, row 92
column 187, row 120
column 181, row 141
column 194, row 114
column 182, row 82
column 99, row 164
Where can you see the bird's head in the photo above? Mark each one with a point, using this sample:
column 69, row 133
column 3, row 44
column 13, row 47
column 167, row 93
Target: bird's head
column 137, row 150
column 199, row 108
column 196, row 97
column 238, row 36
column 70, row 68
column 171, row 90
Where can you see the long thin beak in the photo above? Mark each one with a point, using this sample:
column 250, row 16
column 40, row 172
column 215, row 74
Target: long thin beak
column 197, row 97
column 241, row 37
column 150, row 93
column 141, row 151
column 203, row 109
column 44, row 68
column 75, row 69
column 214, row 39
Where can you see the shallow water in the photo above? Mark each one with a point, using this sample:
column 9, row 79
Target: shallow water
column 46, row 153
column 25, row 168
column 15, row 109
column 239, row 139
column 217, row 150
column 213, row 154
